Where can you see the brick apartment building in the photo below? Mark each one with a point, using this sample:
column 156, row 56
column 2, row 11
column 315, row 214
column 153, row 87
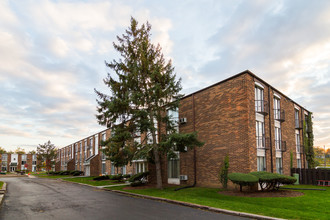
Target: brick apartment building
column 13, row 162
column 86, row 155
column 243, row 117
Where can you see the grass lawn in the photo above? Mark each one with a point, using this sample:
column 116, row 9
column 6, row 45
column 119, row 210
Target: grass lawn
column 90, row 181
column 312, row 205
column 1, row 183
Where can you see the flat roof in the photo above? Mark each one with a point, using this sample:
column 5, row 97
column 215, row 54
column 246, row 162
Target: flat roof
column 239, row 74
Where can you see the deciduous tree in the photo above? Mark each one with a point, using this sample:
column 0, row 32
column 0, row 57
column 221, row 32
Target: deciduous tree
column 20, row 151
column 46, row 153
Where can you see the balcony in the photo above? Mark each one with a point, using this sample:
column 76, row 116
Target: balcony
column 279, row 115
column 263, row 142
column 261, row 107
column 280, row 145
column 299, row 124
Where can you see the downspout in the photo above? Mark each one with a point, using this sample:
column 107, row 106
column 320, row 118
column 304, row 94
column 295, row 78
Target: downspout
column 195, row 164
column 194, row 126
column 270, row 133
column 303, row 137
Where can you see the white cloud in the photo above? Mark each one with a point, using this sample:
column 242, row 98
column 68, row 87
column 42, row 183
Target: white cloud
column 53, row 52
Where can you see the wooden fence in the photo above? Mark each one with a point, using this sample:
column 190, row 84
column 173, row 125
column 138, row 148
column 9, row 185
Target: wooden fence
column 311, row 176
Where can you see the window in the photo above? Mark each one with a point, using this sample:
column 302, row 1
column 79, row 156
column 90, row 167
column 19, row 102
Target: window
column 260, row 134
column 277, row 108
column 4, row 157
column 174, row 167
column 23, row 162
column 103, row 157
column 23, row 157
column 298, row 163
column 34, row 162
column 296, row 118
column 123, row 170
column 4, row 168
column 174, row 118
column 34, row 157
column 259, row 99
column 277, row 138
column 261, row 163
column 91, row 146
column 298, row 142
column 112, row 169
column 104, row 168
column 279, row 168
column 140, row 167
column 150, row 138
column 104, row 137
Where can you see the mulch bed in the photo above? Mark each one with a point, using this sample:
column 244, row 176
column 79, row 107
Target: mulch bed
column 277, row 193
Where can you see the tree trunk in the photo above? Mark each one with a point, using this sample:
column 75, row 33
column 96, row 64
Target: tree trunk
column 156, row 155
column 158, row 168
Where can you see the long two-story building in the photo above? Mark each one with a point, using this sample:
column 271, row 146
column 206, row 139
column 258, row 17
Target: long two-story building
column 243, row 117
column 14, row 162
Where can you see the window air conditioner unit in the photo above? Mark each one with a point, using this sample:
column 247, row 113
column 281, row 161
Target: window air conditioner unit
column 183, row 177
column 183, row 120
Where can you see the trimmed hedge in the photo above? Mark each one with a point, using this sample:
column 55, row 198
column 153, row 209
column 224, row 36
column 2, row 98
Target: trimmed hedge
column 98, row 178
column 118, row 177
column 243, row 179
column 126, row 176
column 272, row 181
column 284, row 179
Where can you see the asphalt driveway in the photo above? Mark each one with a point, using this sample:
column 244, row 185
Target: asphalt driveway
column 46, row 199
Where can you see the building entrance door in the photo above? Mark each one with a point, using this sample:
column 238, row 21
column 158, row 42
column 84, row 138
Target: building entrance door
column 87, row 171
column 13, row 169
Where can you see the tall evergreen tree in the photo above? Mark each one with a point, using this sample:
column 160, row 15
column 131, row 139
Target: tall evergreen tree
column 143, row 88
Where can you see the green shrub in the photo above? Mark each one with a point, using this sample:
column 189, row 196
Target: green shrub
column 98, row 178
column 284, row 179
column 78, row 173
column 223, row 174
column 126, row 176
column 271, row 181
column 265, row 176
column 66, row 172
column 243, row 179
column 118, row 177
column 139, row 176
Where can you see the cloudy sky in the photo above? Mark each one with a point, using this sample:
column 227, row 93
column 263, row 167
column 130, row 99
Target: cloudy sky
column 52, row 56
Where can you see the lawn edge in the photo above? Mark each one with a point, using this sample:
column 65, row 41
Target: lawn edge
column 193, row 205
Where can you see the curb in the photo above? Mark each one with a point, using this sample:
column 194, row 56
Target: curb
column 192, row 205
column 2, row 193
column 4, row 188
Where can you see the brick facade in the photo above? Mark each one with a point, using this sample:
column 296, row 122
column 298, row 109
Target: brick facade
column 225, row 116
column 12, row 164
